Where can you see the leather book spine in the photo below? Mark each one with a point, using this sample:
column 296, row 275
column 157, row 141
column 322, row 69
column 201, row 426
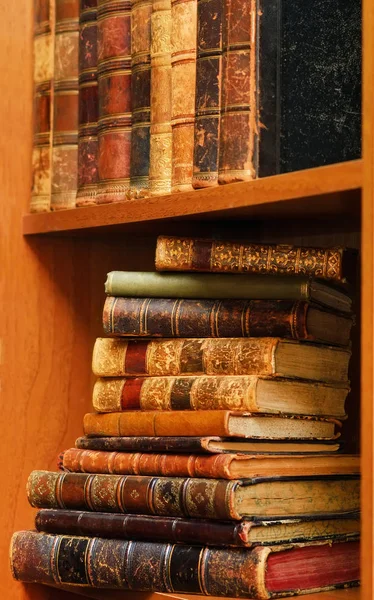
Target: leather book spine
column 114, row 89
column 208, row 92
column 217, row 256
column 88, row 104
column 44, row 26
column 65, row 112
column 183, row 85
column 239, row 126
column 128, row 463
column 161, row 134
column 141, row 11
column 118, row 357
column 165, row 496
column 166, row 317
column 146, row 528
column 198, row 445
column 143, row 566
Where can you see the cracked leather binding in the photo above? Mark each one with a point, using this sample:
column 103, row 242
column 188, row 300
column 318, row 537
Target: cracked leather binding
column 88, row 104
column 44, row 25
column 65, row 112
column 114, row 84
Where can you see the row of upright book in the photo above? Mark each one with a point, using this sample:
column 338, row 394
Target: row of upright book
column 150, row 97
column 212, row 462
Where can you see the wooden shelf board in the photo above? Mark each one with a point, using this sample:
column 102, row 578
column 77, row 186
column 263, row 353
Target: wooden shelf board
column 323, row 191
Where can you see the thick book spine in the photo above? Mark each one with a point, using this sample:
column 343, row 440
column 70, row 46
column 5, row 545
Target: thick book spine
column 65, row 112
column 239, row 126
column 166, row 317
column 147, row 528
column 141, row 11
column 208, row 92
column 216, row 466
column 114, row 85
column 168, row 496
column 88, row 104
column 183, row 84
column 44, row 33
column 161, row 134
column 194, row 254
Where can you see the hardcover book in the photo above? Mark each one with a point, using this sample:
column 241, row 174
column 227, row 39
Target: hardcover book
column 170, row 317
column 193, row 497
column 118, row 357
column 259, row 573
column 245, row 533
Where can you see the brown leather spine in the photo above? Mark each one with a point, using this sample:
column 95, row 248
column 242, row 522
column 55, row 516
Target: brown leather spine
column 88, row 104
column 167, row 465
column 44, row 26
column 196, row 254
column 161, row 135
column 116, row 357
column 169, row 496
column 168, row 317
column 208, row 92
column 114, row 84
column 153, row 423
column 141, row 11
column 183, row 84
column 239, row 127
column 142, row 527
column 65, row 113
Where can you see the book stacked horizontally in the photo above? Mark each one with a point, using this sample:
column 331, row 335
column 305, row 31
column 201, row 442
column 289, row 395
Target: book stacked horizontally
column 212, row 463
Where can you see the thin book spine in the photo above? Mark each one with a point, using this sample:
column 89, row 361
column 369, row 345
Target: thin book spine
column 43, row 47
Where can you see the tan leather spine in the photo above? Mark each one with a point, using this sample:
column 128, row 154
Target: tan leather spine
column 183, row 84
column 161, row 135
column 108, row 357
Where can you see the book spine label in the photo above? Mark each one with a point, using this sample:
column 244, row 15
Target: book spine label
column 143, row 566
column 44, row 26
column 239, row 127
column 161, row 134
column 183, row 79
column 141, row 12
column 114, row 89
column 88, row 104
column 167, row 465
column 189, row 254
column 65, row 97
column 113, row 357
column 176, row 393
column 167, row 317
column 139, row 527
column 208, row 92
column 165, row 496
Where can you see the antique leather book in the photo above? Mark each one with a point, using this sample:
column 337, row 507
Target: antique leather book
column 44, row 33
column 161, row 134
column 225, row 285
column 208, row 93
column 116, row 357
column 246, row 533
column 203, row 254
column 220, row 392
column 192, row 497
column 88, row 104
column 211, row 422
column 258, row 573
column 65, row 111
column 168, row 317
column 114, row 88
column 205, row 445
column 183, row 84
column 141, row 12
column 214, row 466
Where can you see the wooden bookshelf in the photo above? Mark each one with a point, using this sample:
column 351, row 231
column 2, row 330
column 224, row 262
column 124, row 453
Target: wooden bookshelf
column 52, row 288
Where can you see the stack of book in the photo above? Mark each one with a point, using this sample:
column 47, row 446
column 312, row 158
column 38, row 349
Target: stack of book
column 212, row 463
